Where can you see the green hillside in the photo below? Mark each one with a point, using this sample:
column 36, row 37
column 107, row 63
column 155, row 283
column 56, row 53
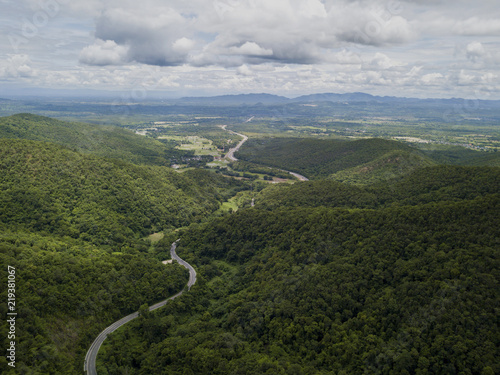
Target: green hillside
column 457, row 155
column 386, row 262
column 390, row 165
column 365, row 160
column 107, row 141
column 409, row 287
column 423, row 185
column 359, row 162
column 68, row 290
column 71, row 224
column 46, row 187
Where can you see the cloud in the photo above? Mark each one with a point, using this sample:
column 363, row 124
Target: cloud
column 104, row 53
column 479, row 55
column 231, row 33
column 371, row 26
column 475, row 26
column 423, row 47
column 383, row 62
column 183, row 45
column 153, row 37
column 251, row 49
column 17, row 66
column 474, row 50
column 244, row 70
column 345, row 56
column 432, row 79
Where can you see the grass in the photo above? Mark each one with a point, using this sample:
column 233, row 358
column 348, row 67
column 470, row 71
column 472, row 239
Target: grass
column 201, row 146
column 218, row 163
column 155, row 237
column 239, row 200
column 228, row 206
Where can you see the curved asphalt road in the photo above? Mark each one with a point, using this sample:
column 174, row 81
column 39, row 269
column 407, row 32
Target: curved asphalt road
column 230, row 154
column 192, row 272
column 89, row 365
column 299, row 176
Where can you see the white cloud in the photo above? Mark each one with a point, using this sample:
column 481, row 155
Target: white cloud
column 152, row 36
column 475, row 26
column 104, row 53
column 183, row 45
column 288, row 31
column 251, row 49
column 474, row 50
column 383, row 62
column 432, row 79
column 346, row 57
column 465, row 79
column 17, row 66
column 292, row 46
column 244, row 70
column 369, row 23
column 312, row 9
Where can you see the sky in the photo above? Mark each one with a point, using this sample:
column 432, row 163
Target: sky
column 410, row 48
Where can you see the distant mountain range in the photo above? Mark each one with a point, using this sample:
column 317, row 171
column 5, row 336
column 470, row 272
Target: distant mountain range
column 253, row 99
column 356, row 97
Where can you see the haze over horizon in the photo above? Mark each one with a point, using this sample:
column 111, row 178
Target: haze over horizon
column 406, row 48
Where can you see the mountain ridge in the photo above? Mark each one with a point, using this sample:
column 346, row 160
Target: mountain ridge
column 101, row 140
column 355, row 97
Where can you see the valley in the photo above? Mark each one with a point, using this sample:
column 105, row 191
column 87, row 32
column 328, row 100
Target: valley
column 323, row 235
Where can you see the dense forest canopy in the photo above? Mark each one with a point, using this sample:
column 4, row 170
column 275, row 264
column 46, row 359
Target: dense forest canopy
column 108, row 141
column 49, row 188
column 317, row 158
column 361, row 161
column 386, row 262
column 72, row 225
column 404, row 279
column 69, row 290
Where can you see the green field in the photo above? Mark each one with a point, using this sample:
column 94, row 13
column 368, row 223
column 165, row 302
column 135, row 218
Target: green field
column 200, row 145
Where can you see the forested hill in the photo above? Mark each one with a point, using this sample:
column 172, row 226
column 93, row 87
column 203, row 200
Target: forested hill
column 424, row 185
column 108, row 141
column 47, row 187
column 72, row 225
column 407, row 287
column 317, row 277
column 364, row 160
column 360, row 162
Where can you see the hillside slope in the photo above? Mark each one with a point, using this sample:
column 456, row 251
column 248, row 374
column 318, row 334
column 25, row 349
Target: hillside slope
column 107, row 141
column 424, row 185
column 71, row 225
column 409, row 287
column 46, row 187
column 390, row 165
column 68, row 290
column 365, row 160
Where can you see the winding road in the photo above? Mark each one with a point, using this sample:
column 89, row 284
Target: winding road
column 230, row 154
column 299, row 176
column 89, row 365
